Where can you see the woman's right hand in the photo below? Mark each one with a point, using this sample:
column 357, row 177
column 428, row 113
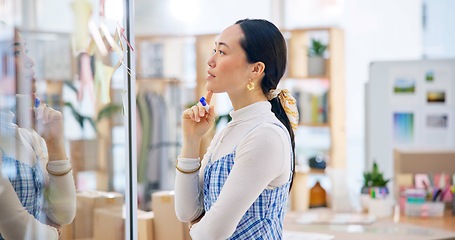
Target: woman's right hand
column 196, row 121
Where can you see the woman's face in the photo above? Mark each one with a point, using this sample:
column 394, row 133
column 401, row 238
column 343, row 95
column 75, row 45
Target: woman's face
column 228, row 68
column 23, row 79
column 24, row 65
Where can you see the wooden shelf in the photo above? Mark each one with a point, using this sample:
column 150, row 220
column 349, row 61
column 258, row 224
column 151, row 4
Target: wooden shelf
column 333, row 106
column 307, row 78
column 317, row 77
column 314, row 124
column 317, row 171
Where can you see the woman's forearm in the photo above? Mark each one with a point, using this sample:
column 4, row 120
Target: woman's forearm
column 56, row 150
column 188, row 197
column 190, row 147
column 62, row 193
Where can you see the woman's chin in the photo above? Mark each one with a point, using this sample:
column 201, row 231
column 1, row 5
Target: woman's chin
column 34, row 87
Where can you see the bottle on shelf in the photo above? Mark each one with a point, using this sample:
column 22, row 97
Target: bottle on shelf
column 317, row 196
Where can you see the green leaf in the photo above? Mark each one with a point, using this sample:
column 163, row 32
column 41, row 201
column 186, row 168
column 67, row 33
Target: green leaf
column 108, row 110
column 79, row 117
column 70, row 85
column 317, row 48
column 374, row 178
column 92, row 122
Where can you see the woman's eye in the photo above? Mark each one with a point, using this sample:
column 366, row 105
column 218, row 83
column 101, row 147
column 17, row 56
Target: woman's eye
column 219, row 51
column 17, row 53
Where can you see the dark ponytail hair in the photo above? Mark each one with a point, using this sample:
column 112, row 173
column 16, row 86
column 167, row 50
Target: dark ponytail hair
column 263, row 42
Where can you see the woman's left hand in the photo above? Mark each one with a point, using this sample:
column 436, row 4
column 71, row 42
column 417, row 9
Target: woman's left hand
column 196, row 121
column 50, row 122
column 50, row 126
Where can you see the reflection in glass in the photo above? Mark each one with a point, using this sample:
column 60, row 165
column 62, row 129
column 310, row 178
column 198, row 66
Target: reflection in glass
column 56, row 58
column 39, row 194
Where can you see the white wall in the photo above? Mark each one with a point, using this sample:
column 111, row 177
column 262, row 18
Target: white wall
column 439, row 31
column 374, row 30
column 313, row 13
column 54, row 15
column 210, row 16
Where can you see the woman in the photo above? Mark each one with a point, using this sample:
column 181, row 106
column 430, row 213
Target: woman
column 34, row 203
column 240, row 188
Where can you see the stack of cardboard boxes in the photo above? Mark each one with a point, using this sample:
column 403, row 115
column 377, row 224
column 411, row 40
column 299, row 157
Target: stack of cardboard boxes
column 86, row 204
column 167, row 226
column 101, row 216
column 110, row 224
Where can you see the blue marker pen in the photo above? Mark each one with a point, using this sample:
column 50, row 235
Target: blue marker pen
column 204, row 104
column 37, row 102
column 38, row 108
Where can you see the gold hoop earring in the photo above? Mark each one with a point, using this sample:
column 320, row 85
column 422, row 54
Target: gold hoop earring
column 250, row 85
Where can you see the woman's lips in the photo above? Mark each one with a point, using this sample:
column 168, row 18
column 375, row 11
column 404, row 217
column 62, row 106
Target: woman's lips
column 34, row 87
column 210, row 75
column 29, row 76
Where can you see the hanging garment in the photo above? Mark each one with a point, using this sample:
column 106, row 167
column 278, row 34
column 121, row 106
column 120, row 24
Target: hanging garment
column 82, row 10
column 103, row 77
column 145, row 137
column 157, row 149
column 86, row 77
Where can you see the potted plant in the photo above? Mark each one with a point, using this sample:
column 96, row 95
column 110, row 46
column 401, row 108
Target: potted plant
column 374, row 193
column 374, row 178
column 316, row 58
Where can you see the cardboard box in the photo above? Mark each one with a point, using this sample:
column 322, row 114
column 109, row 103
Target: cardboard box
column 102, row 180
column 300, row 193
column 414, row 161
column 87, row 202
column 145, row 222
column 109, row 223
column 424, row 161
column 67, row 232
column 166, row 224
column 84, row 154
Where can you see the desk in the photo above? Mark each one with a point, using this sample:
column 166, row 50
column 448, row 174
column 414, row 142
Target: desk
column 444, row 223
column 406, row 229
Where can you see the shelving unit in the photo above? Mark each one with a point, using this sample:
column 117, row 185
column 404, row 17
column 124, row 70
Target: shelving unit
column 333, row 80
column 324, row 122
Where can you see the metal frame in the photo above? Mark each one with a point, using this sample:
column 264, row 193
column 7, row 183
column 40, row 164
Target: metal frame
column 130, row 120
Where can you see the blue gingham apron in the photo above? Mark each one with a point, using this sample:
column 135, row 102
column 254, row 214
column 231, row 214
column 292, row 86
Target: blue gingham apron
column 264, row 219
column 27, row 181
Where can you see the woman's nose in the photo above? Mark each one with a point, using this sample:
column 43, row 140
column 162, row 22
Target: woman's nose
column 28, row 62
column 211, row 61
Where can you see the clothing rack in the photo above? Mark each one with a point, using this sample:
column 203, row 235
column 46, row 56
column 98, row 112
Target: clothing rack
column 159, row 102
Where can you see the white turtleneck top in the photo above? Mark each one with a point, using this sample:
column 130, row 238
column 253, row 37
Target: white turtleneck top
column 263, row 160
column 25, row 145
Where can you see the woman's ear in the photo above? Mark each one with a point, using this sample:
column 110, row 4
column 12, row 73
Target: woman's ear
column 258, row 69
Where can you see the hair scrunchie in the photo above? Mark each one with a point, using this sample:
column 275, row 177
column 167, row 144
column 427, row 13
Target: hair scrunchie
column 288, row 103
